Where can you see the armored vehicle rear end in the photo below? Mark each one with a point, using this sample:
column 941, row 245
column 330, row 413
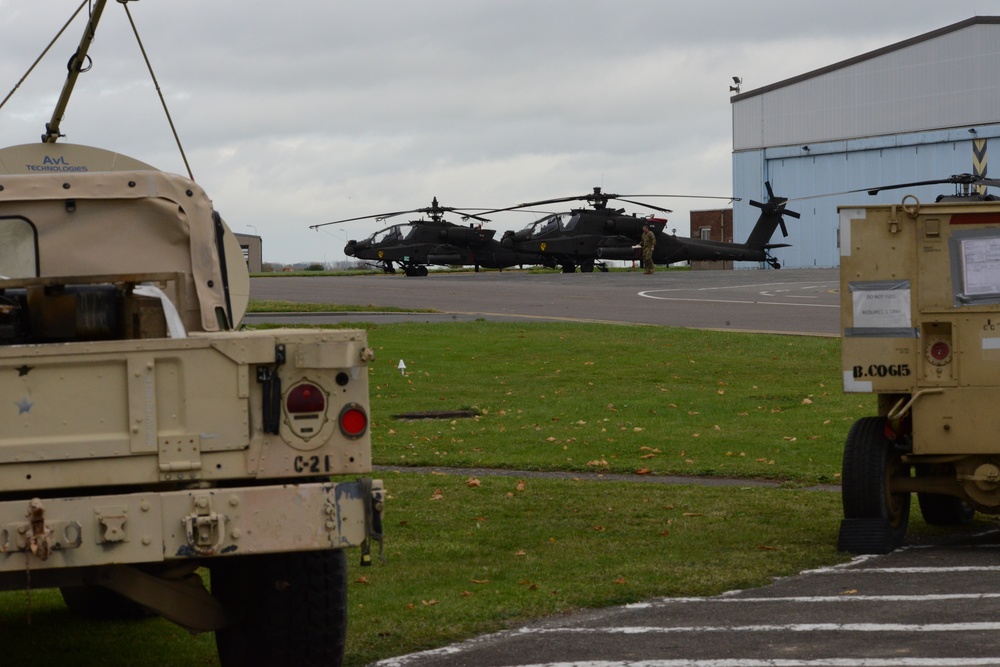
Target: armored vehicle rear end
column 920, row 310
column 147, row 444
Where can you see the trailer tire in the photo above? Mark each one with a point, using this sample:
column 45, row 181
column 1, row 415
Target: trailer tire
column 870, row 463
column 292, row 609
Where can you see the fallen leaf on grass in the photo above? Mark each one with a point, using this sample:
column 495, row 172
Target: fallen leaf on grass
column 599, row 528
column 473, row 482
column 764, row 547
column 647, row 456
column 437, row 495
column 361, row 580
column 521, row 485
column 428, row 603
column 642, row 471
column 466, row 594
column 692, row 514
column 621, row 580
column 521, row 553
column 598, row 462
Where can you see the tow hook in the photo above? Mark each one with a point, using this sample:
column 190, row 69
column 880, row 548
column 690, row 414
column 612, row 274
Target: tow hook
column 205, row 529
column 39, row 542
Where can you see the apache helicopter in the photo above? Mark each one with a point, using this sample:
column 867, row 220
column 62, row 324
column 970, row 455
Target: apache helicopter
column 415, row 244
column 585, row 236
column 670, row 249
column 576, row 238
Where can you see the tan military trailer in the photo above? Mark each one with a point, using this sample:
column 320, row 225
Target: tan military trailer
column 920, row 312
column 146, row 443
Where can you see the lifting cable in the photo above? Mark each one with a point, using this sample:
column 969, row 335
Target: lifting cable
column 149, row 67
column 46, row 50
column 159, row 92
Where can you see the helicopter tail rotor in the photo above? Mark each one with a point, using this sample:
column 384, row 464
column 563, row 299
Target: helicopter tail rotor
column 775, row 206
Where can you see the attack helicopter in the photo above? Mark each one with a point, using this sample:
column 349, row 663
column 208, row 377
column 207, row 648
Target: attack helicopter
column 585, row 236
column 670, row 249
column 433, row 240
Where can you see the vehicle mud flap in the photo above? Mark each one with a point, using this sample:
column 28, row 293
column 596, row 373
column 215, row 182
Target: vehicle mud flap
column 866, row 536
column 374, row 502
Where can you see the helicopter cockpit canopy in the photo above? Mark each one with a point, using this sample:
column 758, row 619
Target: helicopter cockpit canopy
column 394, row 234
column 552, row 224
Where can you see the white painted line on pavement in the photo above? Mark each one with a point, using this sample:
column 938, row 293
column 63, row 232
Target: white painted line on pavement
column 781, row 662
column 647, row 295
column 941, row 597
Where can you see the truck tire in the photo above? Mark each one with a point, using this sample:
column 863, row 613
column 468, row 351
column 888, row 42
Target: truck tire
column 941, row 509
column 292, row 609
column 103, row 603
column 870, row 463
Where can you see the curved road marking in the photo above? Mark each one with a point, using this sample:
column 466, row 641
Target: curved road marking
column 771, row 293
column 647, row 294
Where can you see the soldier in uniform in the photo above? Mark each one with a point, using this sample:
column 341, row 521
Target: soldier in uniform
column 648, row 243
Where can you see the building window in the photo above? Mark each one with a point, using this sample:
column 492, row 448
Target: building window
column 706, row 233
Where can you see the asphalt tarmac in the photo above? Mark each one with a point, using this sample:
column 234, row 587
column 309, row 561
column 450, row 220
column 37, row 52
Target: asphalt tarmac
column 925, row 605
column 801, row 301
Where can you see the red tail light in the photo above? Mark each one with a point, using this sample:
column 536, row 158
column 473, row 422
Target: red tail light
column 353, row 421
column 305, row 397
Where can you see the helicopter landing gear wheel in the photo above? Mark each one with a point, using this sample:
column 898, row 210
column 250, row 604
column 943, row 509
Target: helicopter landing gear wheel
column 587, row 266
column 871, row 463
column 568, row 267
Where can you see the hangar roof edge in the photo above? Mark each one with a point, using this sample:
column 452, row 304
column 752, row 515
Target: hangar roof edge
column 975, row 20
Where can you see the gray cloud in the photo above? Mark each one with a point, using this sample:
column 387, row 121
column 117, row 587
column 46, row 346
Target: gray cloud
column 305, row 112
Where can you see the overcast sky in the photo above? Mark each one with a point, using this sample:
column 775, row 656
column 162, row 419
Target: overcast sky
column 294, row 114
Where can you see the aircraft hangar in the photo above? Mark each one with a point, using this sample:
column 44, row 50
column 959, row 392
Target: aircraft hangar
column 921, row 109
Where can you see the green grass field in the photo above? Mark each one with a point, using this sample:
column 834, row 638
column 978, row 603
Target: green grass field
column 474, row 554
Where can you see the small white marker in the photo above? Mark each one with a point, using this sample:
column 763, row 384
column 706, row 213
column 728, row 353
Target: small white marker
column 401, row 367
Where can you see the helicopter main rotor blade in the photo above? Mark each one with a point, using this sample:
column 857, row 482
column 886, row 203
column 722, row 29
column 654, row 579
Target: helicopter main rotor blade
column 957, row 179
column 639, row 203
column 433, row 210
column 380, row 216
column 679, row 197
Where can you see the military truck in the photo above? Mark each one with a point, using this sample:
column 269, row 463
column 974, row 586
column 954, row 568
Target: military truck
column 148, row 446
column 920, row 311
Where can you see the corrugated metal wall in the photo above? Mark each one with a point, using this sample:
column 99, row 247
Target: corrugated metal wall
column 815, row 178
column 901, row 116
column 948, row 81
